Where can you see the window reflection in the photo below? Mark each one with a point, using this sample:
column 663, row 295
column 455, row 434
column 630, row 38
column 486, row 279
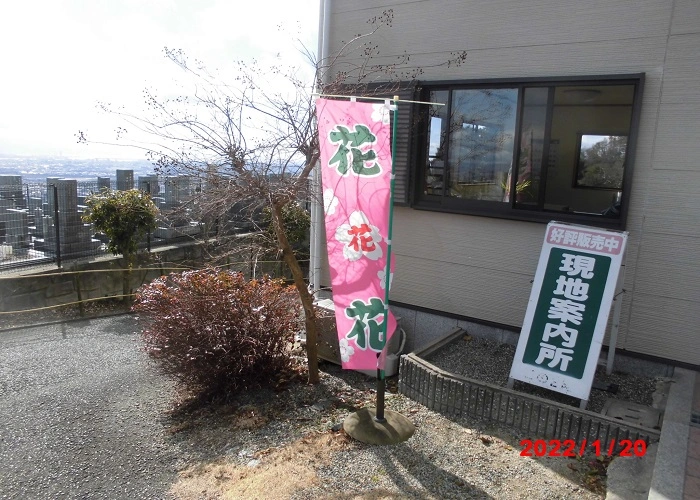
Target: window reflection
column 480, row 153
column 437, row 136
column 527, row 183
column 601, row 161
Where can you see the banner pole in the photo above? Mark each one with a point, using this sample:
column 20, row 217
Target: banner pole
column 381, row 382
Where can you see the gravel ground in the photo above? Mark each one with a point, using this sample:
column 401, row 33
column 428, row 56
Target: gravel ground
column 82, row 414
column 91, row 310
column 490, row 361
column 445, row 458
column 85, row 416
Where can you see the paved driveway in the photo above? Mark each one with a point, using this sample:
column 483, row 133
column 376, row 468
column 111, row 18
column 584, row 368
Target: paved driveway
column 81, row 414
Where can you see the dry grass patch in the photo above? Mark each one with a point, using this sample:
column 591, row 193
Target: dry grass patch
column 280, row 472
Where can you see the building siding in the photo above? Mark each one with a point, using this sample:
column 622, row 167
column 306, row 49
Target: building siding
column 481, row 267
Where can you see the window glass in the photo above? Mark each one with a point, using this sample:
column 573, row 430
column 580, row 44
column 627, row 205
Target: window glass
column 593, row 121
column 531, row 154
column 534, row 150
column 437, row 137
column 480, row 146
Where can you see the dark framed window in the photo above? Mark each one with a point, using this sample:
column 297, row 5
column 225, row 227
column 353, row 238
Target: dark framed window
column 535, row 149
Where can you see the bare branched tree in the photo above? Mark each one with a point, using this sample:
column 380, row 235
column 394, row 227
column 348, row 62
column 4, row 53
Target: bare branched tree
column 253, row 142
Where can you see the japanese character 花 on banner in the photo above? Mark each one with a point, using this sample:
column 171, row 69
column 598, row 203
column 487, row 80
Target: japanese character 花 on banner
column 355, row 144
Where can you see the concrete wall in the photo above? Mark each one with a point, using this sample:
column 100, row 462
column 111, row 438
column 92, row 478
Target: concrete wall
column 100, row 278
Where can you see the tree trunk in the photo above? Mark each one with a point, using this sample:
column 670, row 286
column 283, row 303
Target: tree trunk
column 307, row 300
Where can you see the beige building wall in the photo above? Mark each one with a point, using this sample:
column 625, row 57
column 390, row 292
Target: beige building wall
column 481, row 267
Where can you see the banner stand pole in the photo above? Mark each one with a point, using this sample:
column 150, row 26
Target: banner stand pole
column 379, row 426
column 381, row 389
column 381, row 383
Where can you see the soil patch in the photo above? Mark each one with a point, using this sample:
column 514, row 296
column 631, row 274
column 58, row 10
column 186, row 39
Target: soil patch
column 271, row 473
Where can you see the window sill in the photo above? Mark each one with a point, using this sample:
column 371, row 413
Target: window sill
column 542, row 217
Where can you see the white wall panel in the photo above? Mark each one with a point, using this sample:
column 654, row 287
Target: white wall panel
column 622, row 57
column 668, row 267
column 673, row 206
column 491, row 295
column 447, row 25
column 665, row 327
column 677, row 142
column 461, row 240
column 682, row 70
column 686, row 17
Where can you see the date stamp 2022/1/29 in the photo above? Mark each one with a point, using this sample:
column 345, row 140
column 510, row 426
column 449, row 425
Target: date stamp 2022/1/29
column 570, row 448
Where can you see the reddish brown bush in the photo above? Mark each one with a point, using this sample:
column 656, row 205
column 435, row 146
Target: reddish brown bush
column 217, row 332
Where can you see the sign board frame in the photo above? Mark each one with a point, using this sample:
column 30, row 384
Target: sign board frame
column 567, row 314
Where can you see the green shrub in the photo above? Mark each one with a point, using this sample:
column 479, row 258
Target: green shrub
column 217, row 332
column 124, row 216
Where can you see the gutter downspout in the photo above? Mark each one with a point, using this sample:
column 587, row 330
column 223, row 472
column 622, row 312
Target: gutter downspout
column 317, row 235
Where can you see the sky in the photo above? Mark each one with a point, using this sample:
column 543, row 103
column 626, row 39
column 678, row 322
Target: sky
column 58, row 58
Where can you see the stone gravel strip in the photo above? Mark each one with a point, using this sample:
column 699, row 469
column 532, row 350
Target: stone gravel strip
column 488, row 361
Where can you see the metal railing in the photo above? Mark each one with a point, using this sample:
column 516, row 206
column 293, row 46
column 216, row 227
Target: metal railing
column 41, row 223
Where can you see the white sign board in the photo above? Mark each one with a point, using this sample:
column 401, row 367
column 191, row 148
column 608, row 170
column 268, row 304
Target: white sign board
column 569, row 307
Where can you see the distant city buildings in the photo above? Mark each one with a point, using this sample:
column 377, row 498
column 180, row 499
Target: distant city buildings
column 14, row 226
column 75, row 236
column 11, row 189
column 179, row 189
column 31, row 214
column 104, row 183
column 149, row 184
column 125, row 180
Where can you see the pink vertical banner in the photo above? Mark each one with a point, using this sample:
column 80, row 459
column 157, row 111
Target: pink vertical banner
column 355, row 144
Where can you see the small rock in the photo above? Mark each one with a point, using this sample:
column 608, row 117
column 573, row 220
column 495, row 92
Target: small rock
column 321, row 405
